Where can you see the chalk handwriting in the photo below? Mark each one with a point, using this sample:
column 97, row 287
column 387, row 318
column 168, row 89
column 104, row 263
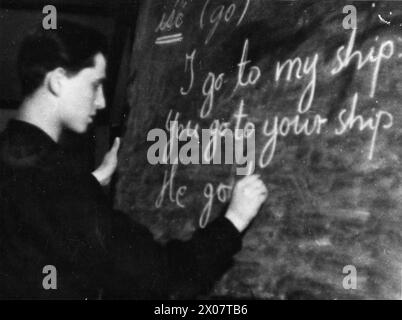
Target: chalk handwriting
column 181, row 127
column 174, row 19
column 296, row 68
column 345, row 56
column 220, row 14
column 189, row 61
column 169, row 39
column 349, row 121
column 171, row 22
column 168, row 185
column 304, row 122
column 239, row 116
column 254, row 73
column 211, row 84
column 282, row 127
column 223, row 194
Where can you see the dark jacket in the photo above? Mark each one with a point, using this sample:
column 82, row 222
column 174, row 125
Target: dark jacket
column 51, row 214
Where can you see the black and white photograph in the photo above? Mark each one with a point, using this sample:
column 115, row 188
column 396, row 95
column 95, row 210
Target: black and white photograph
column 200, row 150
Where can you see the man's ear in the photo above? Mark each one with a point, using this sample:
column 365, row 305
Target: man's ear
column 55, row 80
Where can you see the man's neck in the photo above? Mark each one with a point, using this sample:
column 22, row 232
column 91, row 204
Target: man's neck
column 40, row 111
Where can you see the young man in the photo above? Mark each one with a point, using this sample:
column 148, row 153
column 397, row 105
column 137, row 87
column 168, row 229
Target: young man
column 52, row 214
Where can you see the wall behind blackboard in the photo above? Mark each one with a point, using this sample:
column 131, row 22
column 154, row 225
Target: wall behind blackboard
column 333, row 169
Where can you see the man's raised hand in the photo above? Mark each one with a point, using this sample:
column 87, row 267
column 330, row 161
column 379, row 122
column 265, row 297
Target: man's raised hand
column 248, row 195
column 108, row 166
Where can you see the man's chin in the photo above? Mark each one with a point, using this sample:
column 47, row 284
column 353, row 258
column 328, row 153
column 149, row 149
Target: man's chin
column 78, row 129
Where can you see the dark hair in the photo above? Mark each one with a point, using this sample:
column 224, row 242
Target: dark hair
column 70, row 46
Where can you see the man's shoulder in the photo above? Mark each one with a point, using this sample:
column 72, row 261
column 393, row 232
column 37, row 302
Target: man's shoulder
column 21, row 150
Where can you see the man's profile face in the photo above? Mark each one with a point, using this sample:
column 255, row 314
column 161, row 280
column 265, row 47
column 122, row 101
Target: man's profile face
column 83, row 95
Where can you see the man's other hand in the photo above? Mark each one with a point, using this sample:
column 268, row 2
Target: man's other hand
column 248, row 195
column 108, row 166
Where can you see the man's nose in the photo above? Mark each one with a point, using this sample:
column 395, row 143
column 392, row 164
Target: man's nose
column 100, row 101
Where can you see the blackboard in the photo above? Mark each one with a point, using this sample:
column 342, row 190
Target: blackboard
column 328, row 139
